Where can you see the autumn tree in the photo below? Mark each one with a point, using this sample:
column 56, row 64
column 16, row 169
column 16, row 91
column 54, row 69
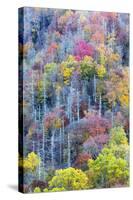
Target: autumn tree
column 67, row 68
column 108, row 170
column 94, row 145
column 69, row 179
column 31, row 162
column 87, row 67
column 120, row 94
column 37, row 190
column 111, row 167
column 118, row 136
column 97, row 125
column 82, row 48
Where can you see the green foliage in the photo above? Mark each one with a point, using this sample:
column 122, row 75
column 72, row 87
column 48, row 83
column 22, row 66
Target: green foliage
column 118, row 136
column 54, row 190
column 40, row 92
column 100, row 87
column 118, row 143
column 120, row 151
column 88, row 68
column 49, row 70
column 102, row 54
column 107, row 170
column 69, row 179
column 49, row 175
column 111, row 166
column 102, row 59
column 37, row 190
column 101, row 71
column 50, row 67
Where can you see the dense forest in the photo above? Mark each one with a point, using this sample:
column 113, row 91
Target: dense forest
column 74, row 99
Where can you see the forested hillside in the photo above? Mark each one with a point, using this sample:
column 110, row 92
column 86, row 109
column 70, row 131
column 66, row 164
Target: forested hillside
column 74, row 66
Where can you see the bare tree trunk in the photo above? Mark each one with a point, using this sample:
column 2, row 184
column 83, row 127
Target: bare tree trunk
column 112, row 117
column 33, row 109
column 52, row 148
column 43, row 144
column 33, row 145
column 100, row 105
column 63, row 132
column 89, row 102
column 60, row 146
column 95, row 85
column 78, row 106
column 69, row 151
column 39, row 166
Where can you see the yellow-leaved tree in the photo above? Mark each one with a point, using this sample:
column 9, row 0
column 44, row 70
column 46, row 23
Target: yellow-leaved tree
column 31, row 162
column 68, row 179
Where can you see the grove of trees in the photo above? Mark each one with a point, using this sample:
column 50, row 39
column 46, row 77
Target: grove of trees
column 74, row 100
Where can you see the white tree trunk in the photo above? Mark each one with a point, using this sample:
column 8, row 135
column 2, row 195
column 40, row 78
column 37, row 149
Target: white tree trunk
column 100, row 105
column 69, row 151
column 60, row 146
column 43, row 144
column 52, row 148
column 95, row 85
column 89, row 103
column 78, row 106
column 112, row 116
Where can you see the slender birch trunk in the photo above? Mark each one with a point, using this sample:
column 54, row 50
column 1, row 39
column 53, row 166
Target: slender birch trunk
column 100, row 105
